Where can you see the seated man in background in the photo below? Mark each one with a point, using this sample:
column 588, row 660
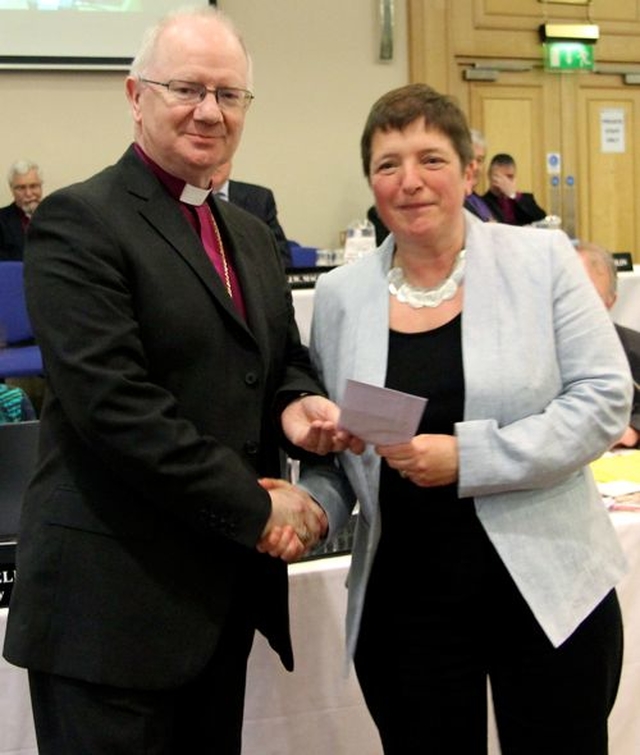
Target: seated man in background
column 25, row 182
column 507, row 204
column 258, row 200
column 601, row 268
column 474, row 202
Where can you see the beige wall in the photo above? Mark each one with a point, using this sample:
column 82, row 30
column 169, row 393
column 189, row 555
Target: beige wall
column 316, row 75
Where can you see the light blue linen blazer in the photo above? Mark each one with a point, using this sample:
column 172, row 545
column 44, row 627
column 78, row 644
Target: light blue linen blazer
column 547, row 390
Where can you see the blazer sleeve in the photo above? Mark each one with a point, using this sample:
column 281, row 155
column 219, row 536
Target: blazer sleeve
column 548, row 384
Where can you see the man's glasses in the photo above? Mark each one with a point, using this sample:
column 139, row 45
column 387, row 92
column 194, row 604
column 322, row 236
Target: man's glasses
column 192, row 93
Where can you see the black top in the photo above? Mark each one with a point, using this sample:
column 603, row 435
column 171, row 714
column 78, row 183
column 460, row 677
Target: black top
column 425, row 364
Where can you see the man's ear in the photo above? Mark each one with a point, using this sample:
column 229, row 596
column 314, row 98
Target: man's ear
column 132, row 90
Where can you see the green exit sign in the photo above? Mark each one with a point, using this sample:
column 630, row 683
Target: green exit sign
column 568, row 56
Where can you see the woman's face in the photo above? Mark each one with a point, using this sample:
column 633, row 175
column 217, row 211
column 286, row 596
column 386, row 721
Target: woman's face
column 418, row 182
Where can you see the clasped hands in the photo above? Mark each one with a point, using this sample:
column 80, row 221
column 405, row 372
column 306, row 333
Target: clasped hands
column 297, row 523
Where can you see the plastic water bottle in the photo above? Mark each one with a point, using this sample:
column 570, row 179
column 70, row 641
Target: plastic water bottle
column 361, row 240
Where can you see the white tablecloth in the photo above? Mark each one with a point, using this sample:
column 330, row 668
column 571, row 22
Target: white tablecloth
column 318, row 710
column 303, row 305
column 626, row 310
column 17, row 736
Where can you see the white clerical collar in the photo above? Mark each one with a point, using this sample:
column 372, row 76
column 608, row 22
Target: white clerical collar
column 194, row 195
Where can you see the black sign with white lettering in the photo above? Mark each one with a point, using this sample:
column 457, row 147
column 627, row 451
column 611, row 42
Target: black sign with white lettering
column 306, row 277
column 624, row 261
column 7, row 572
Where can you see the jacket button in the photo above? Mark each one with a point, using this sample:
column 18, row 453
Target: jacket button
column 251, row 447
column 251, row 378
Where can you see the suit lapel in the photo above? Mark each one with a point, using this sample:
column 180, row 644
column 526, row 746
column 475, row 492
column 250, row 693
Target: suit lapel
column 163, row 214
column 250, row 270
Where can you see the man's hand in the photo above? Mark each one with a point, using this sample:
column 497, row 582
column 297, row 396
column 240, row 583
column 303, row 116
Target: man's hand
column 311, row 422
column 502, row 181
column 296, row 523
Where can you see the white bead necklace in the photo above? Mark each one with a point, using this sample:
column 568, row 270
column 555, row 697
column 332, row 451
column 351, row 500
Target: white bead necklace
column 418, row 297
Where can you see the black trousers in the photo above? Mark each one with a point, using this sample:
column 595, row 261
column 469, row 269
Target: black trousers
column 73, row 717
column 428, row 644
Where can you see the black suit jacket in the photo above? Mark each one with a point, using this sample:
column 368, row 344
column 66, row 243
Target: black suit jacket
column 631, row 342
column 11, row 233
column 142, row 519
column 525, row 207
column 259, row 201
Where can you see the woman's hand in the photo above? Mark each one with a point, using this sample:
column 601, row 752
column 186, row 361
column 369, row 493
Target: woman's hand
column 427, row 460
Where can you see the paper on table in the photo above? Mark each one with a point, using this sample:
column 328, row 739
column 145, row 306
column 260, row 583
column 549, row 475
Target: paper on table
column 619, row 465
column 380, row 416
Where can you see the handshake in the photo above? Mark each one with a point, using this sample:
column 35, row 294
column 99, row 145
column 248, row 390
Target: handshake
column 296, row 523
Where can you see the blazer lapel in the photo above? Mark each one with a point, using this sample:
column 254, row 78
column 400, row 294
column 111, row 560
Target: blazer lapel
column 371, row 336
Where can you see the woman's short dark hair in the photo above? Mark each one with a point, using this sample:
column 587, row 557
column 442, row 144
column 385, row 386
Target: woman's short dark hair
column 396, row 109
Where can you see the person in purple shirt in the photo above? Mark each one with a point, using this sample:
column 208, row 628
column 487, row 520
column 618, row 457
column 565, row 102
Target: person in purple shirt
column 507, row 204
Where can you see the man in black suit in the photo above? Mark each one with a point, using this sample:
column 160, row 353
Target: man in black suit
column 258, row 200
column 507, row 204
column 149, row 534
column 601, row 268
column 25, row 182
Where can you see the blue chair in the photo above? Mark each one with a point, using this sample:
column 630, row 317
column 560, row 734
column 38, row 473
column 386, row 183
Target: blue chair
column 303, row 256
column 19, row 356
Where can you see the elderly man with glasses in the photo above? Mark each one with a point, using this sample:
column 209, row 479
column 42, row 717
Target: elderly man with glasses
column 25, row 183
column 155, row 534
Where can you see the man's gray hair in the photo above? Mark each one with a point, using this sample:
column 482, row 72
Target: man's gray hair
column 146, row 52
column 477, row 137
column 600, row 259
column 20, row 167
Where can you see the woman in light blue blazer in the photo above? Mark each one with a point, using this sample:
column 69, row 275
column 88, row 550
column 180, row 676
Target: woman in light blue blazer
column 482, row 547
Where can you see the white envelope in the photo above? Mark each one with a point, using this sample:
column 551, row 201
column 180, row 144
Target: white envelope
column 380, row 416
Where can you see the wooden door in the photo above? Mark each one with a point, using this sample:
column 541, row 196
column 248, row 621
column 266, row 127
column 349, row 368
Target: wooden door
column 517, row 116
column 590, row 122
column 607, row 123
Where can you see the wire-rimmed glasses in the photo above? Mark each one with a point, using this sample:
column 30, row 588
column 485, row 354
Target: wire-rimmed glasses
column 192, row 93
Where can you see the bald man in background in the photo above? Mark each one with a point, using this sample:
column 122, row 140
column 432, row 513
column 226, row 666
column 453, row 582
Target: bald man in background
column 601, row 268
